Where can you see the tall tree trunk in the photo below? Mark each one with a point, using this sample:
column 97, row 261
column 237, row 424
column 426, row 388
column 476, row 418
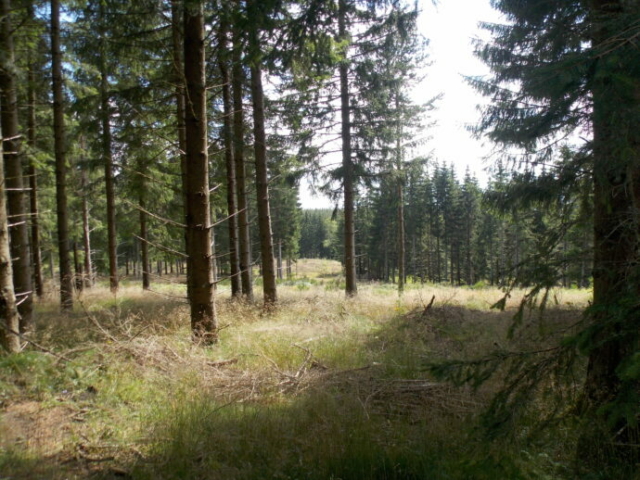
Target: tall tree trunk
column 223, row 59
column 9, row 317
column 347, row 163
column 244, row 237
column 262, row 188
column 616, row 287
column 458, row 264
column 36, row 253
column 79, row 284
column 52, row 273
column 385, row 249
column 468, row 271
column 452, row 262
column 201, row 268
column 144, row 247
column 279, row 263
column 66, row 277
column 438, row 260
column 401, row 229
column 107, row 158
column 401, row 240
column 12, row 153
column 177, row 53
column 86, row 234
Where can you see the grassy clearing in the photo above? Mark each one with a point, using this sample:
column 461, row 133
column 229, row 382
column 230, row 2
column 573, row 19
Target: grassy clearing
column 325, row 387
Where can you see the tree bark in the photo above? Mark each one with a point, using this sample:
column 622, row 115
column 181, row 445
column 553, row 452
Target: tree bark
column 279, row 262
column 36, row 253
column 86, row 234
column 178, row 51
column 262, row 188
column 12, row 153
column 201, row 269
column 468, row 267
column 9, row 317
column 244, row 236
column 401, row 240
column 347, row 163
column 107, row 158
column 616, row 277
column 144, row 247
column 401, row 229
column 227, row 134
column 66, row 276
column 79, row 284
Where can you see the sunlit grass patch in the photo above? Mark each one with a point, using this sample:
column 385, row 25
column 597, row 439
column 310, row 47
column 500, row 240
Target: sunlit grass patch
column 316, row 268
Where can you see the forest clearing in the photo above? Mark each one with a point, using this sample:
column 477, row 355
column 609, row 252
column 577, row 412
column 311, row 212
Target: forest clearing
column 323, row 387
column 156, row 318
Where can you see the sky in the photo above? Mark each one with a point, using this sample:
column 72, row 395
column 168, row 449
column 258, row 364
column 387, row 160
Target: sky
column 450, row 26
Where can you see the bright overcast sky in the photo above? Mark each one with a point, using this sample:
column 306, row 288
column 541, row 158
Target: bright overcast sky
column 450, row 27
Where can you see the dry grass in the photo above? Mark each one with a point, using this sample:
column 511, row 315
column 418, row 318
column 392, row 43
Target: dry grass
column 316, row 268
column 324, row 384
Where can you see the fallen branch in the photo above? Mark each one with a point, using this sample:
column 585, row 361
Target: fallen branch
column 428, row 307
column 222, row 363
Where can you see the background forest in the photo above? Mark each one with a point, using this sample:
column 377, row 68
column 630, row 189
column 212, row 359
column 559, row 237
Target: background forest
column 158, row 147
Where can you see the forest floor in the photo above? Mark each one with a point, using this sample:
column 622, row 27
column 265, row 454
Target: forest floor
column 323, row 387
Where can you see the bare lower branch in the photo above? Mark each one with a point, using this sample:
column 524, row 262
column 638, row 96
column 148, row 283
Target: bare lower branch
column 162, row 219
column 162, row 248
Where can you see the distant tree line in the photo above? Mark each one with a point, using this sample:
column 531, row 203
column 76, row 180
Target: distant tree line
column 459, row 233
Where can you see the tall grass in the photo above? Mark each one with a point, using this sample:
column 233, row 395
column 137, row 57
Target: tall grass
column 323, row 387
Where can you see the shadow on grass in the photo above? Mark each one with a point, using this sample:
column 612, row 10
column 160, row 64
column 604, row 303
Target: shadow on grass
column 384, row 420
column 324, row 434
column 15, row 466
column 329, row 275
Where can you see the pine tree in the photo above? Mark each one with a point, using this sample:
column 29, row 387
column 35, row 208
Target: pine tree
column 12, row 157
column 107, row 157
column 34, row 68
column 201, row 265
column 86, row 232
column 576, row 65
column 9, row 317
column 238, row 80
column 470, row 196
column 315, row 234
column 257, row 17
column 177, row 53
column 227, row 135
column 66, row 276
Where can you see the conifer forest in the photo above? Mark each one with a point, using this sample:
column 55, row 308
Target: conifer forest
column 168, row 310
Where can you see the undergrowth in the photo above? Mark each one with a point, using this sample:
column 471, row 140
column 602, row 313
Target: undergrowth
column 322, row 388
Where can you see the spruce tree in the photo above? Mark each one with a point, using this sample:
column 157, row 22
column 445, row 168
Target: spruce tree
column 237, row 83
column 34, row 67
column 9, row 317
column 12, row 157
column 201, row 265
column 66, row 276
column 559, row 66
column 227, row 138
column 257, row 17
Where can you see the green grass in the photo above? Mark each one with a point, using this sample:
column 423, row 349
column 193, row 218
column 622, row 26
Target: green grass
column 321, row 388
